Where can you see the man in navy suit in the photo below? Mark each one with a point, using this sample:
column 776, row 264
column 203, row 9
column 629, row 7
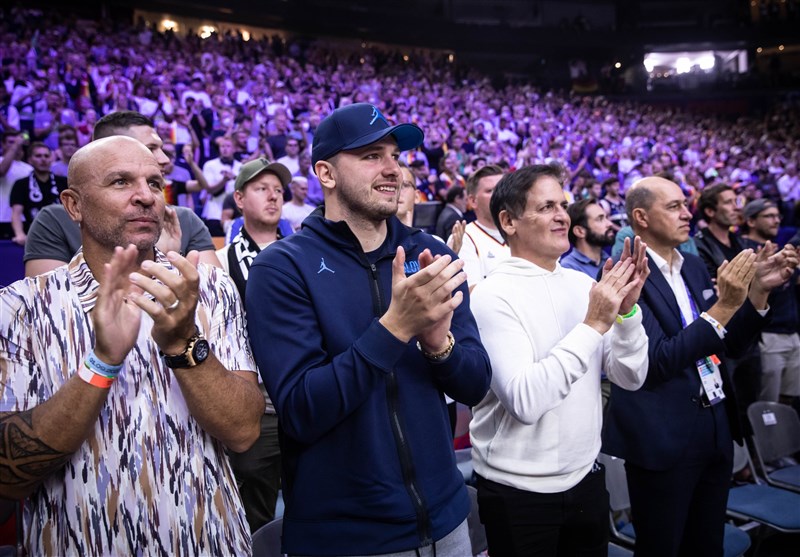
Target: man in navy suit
column 676, row 432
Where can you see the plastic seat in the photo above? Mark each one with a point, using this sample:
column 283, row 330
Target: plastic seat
column 776, row 437
column 736, row 541
column 267, row 539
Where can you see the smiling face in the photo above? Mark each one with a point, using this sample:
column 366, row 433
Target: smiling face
column 362, row 184
column 539, row 234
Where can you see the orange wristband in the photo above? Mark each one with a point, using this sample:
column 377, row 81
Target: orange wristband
column 95, row 379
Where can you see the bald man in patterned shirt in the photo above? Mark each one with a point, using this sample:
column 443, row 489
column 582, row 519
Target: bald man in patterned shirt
column 124, row 375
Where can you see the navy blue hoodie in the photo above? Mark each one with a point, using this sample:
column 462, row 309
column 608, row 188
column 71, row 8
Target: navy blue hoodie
column 368, row 464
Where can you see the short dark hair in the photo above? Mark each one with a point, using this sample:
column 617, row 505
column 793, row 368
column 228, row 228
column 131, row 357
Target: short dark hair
column 577, row 216
column 38, row 145
column 709, row 198
column 608, row 181
column 116, row 122
column 454, row 193
column 478, row 175
column 11, row 132
column 641, row 197
column 511, row 192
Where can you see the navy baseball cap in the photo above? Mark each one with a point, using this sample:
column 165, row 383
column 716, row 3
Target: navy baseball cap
column 357, row 125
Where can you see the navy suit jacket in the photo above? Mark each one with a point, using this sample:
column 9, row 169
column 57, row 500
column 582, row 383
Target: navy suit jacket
column 444, row 224
column 650, row 427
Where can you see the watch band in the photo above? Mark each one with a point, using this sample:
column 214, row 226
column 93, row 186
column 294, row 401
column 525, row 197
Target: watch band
column 196, row 352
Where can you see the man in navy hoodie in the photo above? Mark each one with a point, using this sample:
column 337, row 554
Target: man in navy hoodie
column 360, row 326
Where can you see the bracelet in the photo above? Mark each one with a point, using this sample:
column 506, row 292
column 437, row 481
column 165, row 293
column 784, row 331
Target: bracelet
column 95, row 379
column 444, row 354
column 98, row 366
column 714, row 323
column 631, row 313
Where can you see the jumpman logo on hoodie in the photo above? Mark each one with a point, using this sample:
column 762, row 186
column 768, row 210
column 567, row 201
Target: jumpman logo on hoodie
column 323, row 267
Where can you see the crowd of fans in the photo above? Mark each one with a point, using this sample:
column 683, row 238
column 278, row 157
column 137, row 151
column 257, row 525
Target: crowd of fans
column 230, row 99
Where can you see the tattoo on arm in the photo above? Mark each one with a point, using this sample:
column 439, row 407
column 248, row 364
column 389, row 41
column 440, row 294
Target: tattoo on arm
column 24, row 459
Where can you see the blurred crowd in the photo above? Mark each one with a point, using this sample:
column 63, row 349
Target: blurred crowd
column 264, row 98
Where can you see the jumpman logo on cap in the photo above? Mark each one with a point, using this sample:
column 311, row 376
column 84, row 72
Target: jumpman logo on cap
column 375, row 115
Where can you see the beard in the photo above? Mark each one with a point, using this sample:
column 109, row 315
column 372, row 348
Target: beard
column 356, row 201
column 117, row 235
column 601, row 240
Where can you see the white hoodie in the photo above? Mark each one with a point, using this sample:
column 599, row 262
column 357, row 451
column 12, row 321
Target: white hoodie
column 538, row 428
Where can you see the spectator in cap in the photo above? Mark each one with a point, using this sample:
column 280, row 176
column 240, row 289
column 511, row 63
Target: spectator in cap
column 360, row 330
column 258, row 193
column 780, row 343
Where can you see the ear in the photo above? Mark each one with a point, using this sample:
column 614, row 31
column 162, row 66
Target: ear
column 579, row 231
column 238, row 198
column 70, row 199
column 640, row 219
column 325, row 173
column 507, row 223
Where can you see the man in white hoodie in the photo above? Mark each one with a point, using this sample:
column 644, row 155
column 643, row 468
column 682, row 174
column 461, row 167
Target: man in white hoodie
column 548, row 331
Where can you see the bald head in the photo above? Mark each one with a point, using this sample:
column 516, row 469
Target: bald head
column 658, row 212
column 84, row 163
column 642, row 194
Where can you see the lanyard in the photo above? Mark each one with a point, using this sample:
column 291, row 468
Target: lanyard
column 692, row 305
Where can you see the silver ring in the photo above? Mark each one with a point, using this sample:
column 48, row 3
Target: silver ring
column 173, row 305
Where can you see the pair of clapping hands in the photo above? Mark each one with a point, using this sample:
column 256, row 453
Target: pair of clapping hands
column 127, row 288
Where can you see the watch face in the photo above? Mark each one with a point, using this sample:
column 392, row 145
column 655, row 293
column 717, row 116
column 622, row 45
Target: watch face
column 201, row 350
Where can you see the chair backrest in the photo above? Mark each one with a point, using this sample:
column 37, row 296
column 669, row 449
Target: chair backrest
column 426, row 213
column 267, row 539
column 477, row 533
column 776, row 430
column 616, row 482
column 741, row 457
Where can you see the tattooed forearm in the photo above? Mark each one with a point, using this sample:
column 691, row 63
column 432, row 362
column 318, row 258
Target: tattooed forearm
column 24, row 459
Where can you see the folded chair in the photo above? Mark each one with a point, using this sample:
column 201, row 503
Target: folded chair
column 776, row 437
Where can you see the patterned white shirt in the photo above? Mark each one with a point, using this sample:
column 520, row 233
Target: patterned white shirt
column 149, row 480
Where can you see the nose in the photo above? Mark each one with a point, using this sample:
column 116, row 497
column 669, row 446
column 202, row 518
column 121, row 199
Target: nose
column 161, row 158
column 143, row 193
column 392, row 167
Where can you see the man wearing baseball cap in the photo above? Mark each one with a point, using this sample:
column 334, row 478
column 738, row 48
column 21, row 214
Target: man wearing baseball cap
column 360, row 326
column 780, row 343
column 258, row 192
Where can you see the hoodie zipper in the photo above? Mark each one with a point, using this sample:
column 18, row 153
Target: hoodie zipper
column 404, row 451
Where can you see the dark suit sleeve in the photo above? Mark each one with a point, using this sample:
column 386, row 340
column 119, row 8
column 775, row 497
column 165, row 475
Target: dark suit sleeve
column 671, row 354
column 744, row 329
